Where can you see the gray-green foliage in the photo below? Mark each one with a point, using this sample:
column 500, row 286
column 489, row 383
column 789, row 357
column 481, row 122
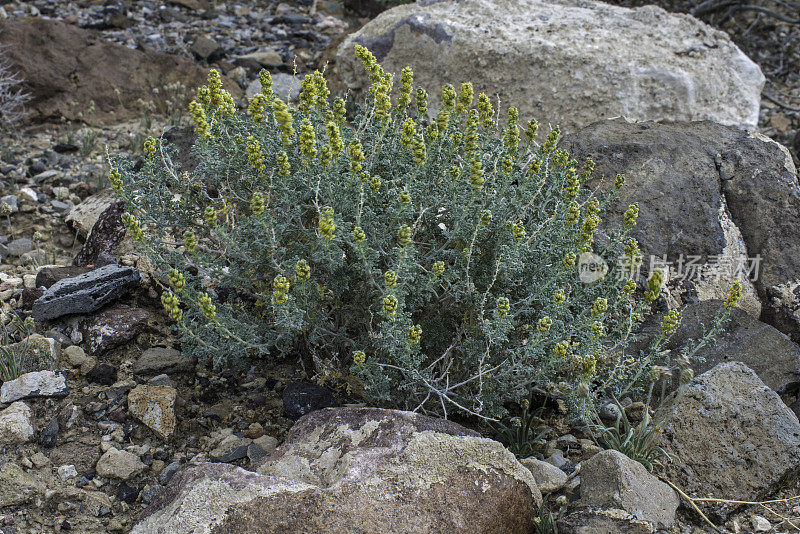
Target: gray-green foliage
column 12, row 95
column 430, row 259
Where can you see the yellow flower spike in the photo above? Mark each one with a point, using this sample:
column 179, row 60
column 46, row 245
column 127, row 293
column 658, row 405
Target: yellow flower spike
column 734, row 295
column 189, row 241
column 588, row 169
column 631, row 214
column 593, row 207
column 325, row 156
column 257, row 203
column 654, row 286
column 133, row 225
column 476, row 174
column 503, row 306
column 359, row 357
column 551, row 141
column 254, row 155
column 404, row 235
column 531, row 130
column 149, row 147
column 358, row 235
column 600, row 307
column 544, row 324
column 511, row 136
column 198, row 115
column 442, row 120
column 534, row 166
column 210, row 216
column 323, row 93
column 559, row 297
column 282, row 161
column 589, row 366
column 407, row 132
column 356, row 154
column 448, row 97
column 418, row 150
column 465, row 97
column 334, row 137
column 629, row 287
column 207, row 306
column 471, row 137
column 573, row 213
column 670, row 322
column 327, row 226
column 571, row 185
column 115, row 179
column 561, row 348
column 486, row 111
column 308, row 93
column 257, row 107
column 596, row 329
column 176, row 280
column 632, row 252
column 421, row 102
column 375, row 183
column 265, row 79
column 437, row 268
column 432, row 131
column 390, row 305
column 486, row 217
column 406, row 86
column 569, row 260
column 284, row 118
column 390, row 279
column 404, row 198
column 414, row 334
column 307, row 140
column 302, row 271
column 619, row 181
column 589, row 227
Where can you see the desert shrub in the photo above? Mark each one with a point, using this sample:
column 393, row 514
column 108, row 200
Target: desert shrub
column 12, row 96
column 428, row 260
column 12, row 359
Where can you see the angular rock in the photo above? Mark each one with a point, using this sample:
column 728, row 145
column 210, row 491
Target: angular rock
column 17, row 486
column 548, row 477
column 18, row 247
column 608, row 521
column 612, row 480
column 357, row 470
column 119, row 464
column 205, row 48
column 301, row 398
column 112, row 327
column 560, row 61
column 77, row 357
column 158, row 360
column 16, row 424
column 155, row 407
column 712, row 191
column 83, row 217
column 38, row 384
column 104, row 373
column 729, row 436
column 63, row 64
column 107, row 232
column 49, row 436
column 86, row 292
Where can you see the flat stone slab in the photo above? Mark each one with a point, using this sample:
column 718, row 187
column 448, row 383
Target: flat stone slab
column 39, row 384
column 85, row 293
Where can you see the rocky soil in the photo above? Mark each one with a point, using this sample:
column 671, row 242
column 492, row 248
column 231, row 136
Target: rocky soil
column 109, row 410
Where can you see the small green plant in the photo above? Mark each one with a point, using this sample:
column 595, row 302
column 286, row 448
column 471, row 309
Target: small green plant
column 546, row 521
column 432, row 258
column 636, row 442
column 11, row 360
column 519, row 433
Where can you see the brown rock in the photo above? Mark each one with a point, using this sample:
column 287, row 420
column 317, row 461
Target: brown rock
column 155, row 407
column 112, row 327
column 357, row 470
column 62, row 64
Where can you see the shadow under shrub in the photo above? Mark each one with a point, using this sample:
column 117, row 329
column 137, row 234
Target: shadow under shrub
column 427, row 261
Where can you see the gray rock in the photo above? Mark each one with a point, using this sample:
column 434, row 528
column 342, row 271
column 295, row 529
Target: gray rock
column 39, row 384
column 285, row 86
column 729, row 435
column 85, row 293
column 16, row 424
column 357, row 470
column 20, row 246
column 119, row 464
column 158, row 360
column 549, row 478
column 205, row 48
column 166, row 474
column 47, row 276
column 17, row 486
column 37, row 353
column 155, row 407
column 560, row 62
column 612, row 480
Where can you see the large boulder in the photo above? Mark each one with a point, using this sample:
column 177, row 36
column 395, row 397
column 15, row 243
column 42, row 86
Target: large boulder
column 64, row 68
column 730, row 437
column 708, row 193
column 356, row 470
column 567, row 62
